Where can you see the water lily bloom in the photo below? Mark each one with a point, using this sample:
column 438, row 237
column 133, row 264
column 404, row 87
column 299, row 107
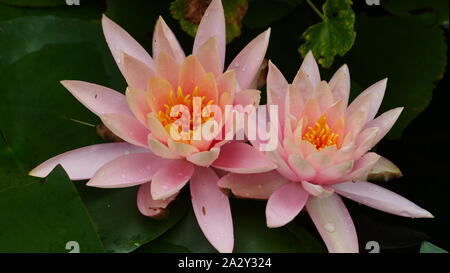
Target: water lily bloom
column 150, row 155
column 323, row 152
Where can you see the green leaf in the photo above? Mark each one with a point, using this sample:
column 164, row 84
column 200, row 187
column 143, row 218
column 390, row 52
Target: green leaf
column 37, row 117
column 334, row 35
column 428, row 247
column 438, row 8
column 189, row 13
column 412, row 56
column 90, row 10
column 250, row 230
column 35, row 110
column 262, row 14
column 121, row 226
column 44, row 217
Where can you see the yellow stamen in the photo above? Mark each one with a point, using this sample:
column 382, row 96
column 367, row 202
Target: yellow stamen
column 167, row 120
column 320, row 134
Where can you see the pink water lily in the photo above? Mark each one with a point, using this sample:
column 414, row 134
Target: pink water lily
column 323, row 152
column 150, row 157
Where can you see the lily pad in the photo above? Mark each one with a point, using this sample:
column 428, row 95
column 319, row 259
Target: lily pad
column 428, row 247
column 45, row 216
column 412, row 56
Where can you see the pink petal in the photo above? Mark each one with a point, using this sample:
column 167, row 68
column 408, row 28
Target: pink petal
column 165, row 41
column 212, row 25
column 207, row 87
column 171, row 178
column 335, row 111
column 191, row 73
column 319, row 160
column 99, row 99
column 137, row 101
column 361, row 168
column 282, row 167
column 82, row 163
column 340, row 84
column 248, row 61
column 380, row 198
column 323, row 95
column 309, row 65
column 365, row 141
column 119, row 40
column 285, row 203
column 182, row 149
column 127, row 170
column 127, row 128
column 295, row 102
column 212, row 209
column 377, row 93
column 226, row 83
column 158, row 90
column 136, row 73
column 239, row 157
column 155, row 126
column 355, row 122
column 168, row 69
column 277, row 88
column 277, row 84
column 208, row 56
column 301, row 167
column 385, row 122
column 303, row 84
column 160, row 149
column 255, row 186
column 247, row 97
column 317, row 190
column 204, row 158
column 334, row 172
column 334, row 223
column 150, row 207
column 311, row 110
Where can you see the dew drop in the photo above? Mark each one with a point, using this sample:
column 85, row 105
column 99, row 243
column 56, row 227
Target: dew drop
column 236, row 65
column 243, row 69
column 330, row 227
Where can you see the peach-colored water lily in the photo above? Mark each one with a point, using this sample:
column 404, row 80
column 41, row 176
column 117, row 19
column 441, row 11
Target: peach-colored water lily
column 323, row 152
column 142, row 119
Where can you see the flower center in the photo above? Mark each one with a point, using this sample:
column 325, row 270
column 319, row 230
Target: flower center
column 187, row 100
column 320, row 135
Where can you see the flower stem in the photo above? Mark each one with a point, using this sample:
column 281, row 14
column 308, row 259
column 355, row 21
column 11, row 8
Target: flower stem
column 82, row 122
column 316, row 10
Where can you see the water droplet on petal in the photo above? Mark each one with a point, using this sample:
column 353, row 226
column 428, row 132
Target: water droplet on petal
column 236, row 65
column 330, row 227
column 243, row 69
